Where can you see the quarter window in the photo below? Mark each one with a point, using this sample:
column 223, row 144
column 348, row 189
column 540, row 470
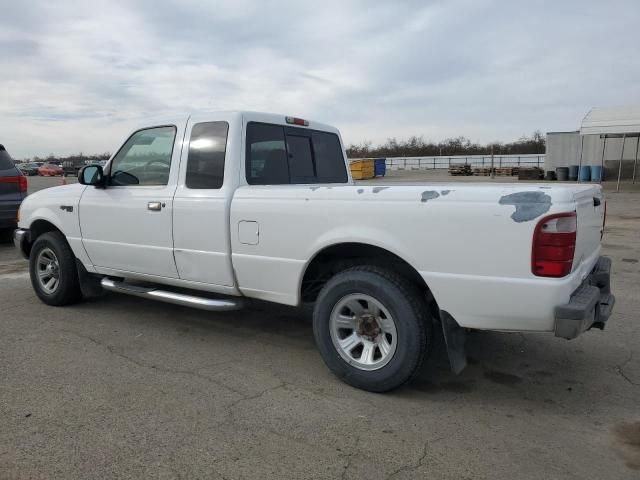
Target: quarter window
column 207, row 148
column 145, row 159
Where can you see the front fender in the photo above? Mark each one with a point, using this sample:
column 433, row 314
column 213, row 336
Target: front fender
column 56, row 208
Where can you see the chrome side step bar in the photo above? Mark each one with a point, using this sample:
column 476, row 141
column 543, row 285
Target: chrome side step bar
column 203, row 303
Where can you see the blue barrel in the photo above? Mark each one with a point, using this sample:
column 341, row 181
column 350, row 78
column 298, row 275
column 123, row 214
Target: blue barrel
column 596, row 173
column 585, row 173
column 380, row 167
column 573, row 172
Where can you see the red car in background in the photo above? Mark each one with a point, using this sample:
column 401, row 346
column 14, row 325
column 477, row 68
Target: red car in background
column 50, row 170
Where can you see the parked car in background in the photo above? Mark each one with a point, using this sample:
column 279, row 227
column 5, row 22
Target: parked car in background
column 13, row 189
column 50, row 170
column 102, row 163
column 29, row 169
column 72, row 166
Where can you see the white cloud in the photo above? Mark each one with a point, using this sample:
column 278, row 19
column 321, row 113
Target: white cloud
column 79, row 75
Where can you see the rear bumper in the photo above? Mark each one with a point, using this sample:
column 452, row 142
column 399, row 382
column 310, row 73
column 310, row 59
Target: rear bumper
column 9, row 213
column 590, row 304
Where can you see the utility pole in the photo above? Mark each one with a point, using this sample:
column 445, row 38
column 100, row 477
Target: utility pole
column 493, row 170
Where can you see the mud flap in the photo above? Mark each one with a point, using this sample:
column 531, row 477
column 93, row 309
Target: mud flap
column 89, row 283
column 454, row 339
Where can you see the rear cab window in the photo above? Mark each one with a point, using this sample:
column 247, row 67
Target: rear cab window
column 6, row 163
column 279, row 155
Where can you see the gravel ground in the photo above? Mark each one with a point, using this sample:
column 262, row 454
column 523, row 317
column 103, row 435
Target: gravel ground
column 128, row 388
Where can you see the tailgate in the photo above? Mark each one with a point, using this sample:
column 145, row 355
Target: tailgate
column 10, row 186
column 590, row 206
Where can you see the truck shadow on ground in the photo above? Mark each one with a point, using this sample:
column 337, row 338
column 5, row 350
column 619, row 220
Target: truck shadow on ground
column 536, row 367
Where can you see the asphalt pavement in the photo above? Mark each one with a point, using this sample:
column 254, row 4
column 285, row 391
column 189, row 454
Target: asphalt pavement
column 121, row 387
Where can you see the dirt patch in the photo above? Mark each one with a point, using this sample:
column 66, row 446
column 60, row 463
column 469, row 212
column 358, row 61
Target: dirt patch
column 14, row 267
column 627, row 442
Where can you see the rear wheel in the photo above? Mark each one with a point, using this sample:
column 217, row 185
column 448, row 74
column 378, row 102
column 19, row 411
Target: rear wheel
column 52, row 268
column 372, row 328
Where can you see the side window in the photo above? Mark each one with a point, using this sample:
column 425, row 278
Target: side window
column 207, row 148
column 266, row 156
column 145, row 159
column 330, row 164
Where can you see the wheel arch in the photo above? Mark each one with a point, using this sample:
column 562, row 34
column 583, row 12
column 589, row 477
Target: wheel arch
column 37, row 228
column 336, row 257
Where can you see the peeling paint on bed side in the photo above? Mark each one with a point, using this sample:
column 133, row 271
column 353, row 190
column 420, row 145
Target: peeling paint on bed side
column 529, row 205
column 360, row 191
column 445, row 192
column 429, row 195
column 378, row 189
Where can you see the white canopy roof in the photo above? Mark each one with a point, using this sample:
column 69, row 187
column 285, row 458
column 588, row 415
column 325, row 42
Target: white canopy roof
column 611, row 120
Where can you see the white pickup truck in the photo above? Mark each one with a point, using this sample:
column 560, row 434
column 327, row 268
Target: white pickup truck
column 209, row 209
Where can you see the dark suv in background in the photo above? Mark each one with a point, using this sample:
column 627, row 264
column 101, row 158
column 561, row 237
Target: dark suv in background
column 13, row 189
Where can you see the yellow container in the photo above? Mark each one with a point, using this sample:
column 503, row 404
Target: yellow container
column 361, row 175
column 362, row 169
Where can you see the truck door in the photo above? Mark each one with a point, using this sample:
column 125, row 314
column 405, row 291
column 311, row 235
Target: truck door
column 202, row 202
column 127, row 225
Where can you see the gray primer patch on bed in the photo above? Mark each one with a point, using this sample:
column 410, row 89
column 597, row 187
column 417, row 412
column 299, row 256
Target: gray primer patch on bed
column 429, row 195
column 313, row 189
column 445, row 192
column 379, row 189
column 529, row 205
column 360, row 190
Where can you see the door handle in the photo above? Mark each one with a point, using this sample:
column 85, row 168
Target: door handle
column 155, row 206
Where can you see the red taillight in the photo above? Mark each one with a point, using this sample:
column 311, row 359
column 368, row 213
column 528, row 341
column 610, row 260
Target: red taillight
column 554, row 243
column 20, row 180
column 297, row 121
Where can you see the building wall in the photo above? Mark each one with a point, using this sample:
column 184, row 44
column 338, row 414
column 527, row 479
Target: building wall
column 563, row 150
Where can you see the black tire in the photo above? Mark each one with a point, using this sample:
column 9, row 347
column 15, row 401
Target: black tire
column 68, row 288
column 410, row 314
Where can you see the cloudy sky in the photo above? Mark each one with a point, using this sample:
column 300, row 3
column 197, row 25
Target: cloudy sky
column 77, row 76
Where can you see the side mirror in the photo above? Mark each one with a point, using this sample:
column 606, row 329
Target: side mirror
column 91, row 175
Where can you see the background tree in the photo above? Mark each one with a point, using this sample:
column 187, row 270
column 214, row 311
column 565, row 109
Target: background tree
column 418, row 147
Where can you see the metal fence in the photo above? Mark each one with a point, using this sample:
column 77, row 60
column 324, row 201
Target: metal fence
column 426, row 163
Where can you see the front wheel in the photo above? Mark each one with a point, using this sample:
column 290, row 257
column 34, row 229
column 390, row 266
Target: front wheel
column 372, row 328
column 53, row 271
